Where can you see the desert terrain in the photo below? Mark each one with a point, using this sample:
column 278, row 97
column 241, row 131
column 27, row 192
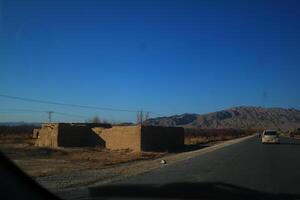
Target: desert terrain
column 44, row 164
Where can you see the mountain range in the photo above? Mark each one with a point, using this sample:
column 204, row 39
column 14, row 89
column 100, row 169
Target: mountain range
column 243, row 117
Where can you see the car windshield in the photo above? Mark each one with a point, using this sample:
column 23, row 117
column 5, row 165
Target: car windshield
column 147, row 95
column 270, row 133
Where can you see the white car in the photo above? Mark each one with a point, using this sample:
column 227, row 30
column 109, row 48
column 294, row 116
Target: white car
column 270, row 136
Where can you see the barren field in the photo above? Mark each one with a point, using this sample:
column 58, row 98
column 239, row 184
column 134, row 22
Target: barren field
column 39, row 162
column 64, row 169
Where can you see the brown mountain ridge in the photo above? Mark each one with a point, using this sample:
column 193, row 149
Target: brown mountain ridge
column 243, row 117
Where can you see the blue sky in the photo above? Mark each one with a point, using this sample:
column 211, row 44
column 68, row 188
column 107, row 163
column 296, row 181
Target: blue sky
column 168, row 57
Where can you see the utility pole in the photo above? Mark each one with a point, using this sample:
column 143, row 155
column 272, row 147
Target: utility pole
column 142, row 117
column 50, row 115
column 139, row 117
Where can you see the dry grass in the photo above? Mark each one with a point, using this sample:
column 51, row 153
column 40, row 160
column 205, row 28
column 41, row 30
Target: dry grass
column 200, row 136
column 39, row 162
column 191, row 140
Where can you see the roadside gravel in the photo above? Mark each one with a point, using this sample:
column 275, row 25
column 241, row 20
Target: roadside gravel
column 75, row 184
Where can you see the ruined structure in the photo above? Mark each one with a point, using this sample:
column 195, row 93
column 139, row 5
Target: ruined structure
column 35, row 133
column 69, row 135
column 143, row 138
column 136, row 138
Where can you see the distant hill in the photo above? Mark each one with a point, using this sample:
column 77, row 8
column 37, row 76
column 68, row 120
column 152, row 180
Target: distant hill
column 237, row 117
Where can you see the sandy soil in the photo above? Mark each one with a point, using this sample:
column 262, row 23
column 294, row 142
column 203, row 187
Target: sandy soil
column 75, row 185
column 65, row 170
column 40, row 162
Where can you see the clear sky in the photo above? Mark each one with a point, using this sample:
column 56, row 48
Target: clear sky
column 168, row 57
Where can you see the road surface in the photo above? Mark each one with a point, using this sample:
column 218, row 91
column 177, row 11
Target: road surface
column 272, row 168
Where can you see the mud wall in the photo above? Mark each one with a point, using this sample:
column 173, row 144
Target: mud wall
column 136, row 138
column 122, row 137
column 145, row 138
column 47, row 136
column 69, row 135
column 78, row 135
column 35, row 133
column 154, row 138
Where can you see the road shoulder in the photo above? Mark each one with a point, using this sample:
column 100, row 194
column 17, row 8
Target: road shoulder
column 76, row 183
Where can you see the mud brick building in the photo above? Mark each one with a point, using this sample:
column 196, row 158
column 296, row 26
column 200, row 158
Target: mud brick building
column 136, row 138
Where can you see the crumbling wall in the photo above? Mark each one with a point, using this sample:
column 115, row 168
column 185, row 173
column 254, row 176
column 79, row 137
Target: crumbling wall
column 97, row 130
column 78, row 135
column 35, row 133
column 122, row 137
column 136, row 138
column 145, row 138
column 69, row 135
column 155, row 138
column 47, row 136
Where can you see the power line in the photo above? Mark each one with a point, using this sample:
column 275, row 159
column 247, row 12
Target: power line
column 20, row 110
column 66, row 104
column 42, row 111
column 69, row 115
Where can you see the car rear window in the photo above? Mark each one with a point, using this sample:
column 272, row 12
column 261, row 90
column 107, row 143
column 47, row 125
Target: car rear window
column 270, row 133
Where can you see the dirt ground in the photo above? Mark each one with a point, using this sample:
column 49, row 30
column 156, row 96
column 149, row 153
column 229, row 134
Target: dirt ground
column 65, row 170
column 39, row 162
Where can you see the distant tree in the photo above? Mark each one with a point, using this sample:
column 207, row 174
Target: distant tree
column 105, row 121
column 95, row 119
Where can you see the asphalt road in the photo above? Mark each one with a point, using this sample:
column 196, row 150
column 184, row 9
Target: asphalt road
column 272, row 168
